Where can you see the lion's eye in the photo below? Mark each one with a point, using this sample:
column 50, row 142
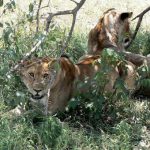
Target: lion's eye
column 45, row 75
column 31, row 74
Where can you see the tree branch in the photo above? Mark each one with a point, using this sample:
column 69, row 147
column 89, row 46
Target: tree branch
column 140, row 16
column 74, row 1
column 46, row 5
column 37, row 16
column 142, row 13
column 70, row 34
column 136, row 59
column 66, row 12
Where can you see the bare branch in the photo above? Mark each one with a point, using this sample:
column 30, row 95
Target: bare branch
column 3, row 12
column 70, row 34
column 140, row 16
column 136, row 59
column 142, row 13
column 46, row 5
column 74, row 1
column 66, row 12
column 37, row 16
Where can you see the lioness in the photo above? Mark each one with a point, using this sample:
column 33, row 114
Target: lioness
column 50, row 82
column 112, row 30
column 88, row 66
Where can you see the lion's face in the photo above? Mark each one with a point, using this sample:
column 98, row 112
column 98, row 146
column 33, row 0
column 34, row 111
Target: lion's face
column 117, row 27
column 38, row 75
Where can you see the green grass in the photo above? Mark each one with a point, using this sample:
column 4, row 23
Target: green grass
column 141, row 44
column 127, row 133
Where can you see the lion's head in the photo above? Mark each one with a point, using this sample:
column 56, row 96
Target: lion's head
column 38, row 75
column 112, row 30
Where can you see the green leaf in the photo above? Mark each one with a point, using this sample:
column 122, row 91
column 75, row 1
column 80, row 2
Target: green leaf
column 1, row 25
column 1, row 3
column 7, row 23
column 30, row 17
column 31, row 7
column 13, row 3
column 73, row 104
column 145, row 83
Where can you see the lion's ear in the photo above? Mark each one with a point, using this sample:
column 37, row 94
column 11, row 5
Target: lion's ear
column 67, row 66
column 53, row 64
column 89, row 59
column 125, row 15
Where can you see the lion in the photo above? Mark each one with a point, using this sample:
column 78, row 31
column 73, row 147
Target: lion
column 50, row 82
column 89, row 65
column 112, row 30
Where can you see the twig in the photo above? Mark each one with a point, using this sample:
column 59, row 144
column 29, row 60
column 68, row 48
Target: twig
column 74, row 1
column 70, row 33
column 48, row 21
column 142, row 13
column 3, row 12
column 46, row 5
column 66, row 12
column 136, row 59
column 37, row 16
column 140, row 16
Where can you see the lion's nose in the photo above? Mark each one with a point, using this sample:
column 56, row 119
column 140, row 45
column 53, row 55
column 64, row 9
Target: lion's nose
column 37, row 90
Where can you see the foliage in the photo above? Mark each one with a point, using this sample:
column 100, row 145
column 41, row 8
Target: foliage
column 22, row 133
column 141, row 44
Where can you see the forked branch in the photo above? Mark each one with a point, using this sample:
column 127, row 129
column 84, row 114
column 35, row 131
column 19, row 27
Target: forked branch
column 140, row 16
column 67, row 12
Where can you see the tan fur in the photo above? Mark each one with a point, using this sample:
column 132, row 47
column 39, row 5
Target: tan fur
column 62, row 74
column 88, row 66
column 111, row 31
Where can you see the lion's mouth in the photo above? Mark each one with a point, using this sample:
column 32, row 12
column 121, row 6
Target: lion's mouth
column 37, row 96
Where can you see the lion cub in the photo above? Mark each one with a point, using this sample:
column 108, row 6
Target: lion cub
column 50, row 82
